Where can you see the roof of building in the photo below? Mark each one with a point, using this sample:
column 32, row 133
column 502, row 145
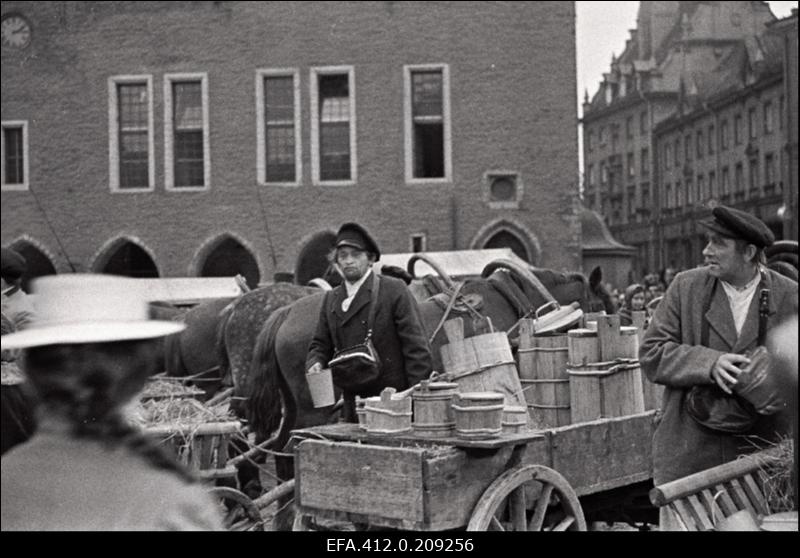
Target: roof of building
column 597, row 237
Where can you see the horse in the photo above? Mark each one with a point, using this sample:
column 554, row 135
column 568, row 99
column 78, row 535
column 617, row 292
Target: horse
column 276, row 393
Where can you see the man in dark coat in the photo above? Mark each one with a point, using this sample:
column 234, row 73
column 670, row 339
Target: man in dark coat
column 398, row 334
column 699, row 335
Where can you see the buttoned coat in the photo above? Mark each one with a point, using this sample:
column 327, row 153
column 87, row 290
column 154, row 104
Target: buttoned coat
column 398, row 335
column 671, row 354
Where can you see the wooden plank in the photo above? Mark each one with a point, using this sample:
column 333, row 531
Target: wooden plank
column 740, row 497
column 454, row 483
column 700, row 513
column 352, row 433
column 454, row 330
column 611, row 452
column 685, row 514
column 376, row 481
column 724, row 500
column 755, row 494
column 714, row 511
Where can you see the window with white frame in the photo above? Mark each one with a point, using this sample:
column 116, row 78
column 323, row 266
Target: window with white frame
column 427, row 123
column 187, row 164
column 419, row 242
column 131, row 148
column 333, row 125
column 278, row 133
column 14, row 155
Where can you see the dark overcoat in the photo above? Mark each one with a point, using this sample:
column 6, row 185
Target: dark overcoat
column 671, row 354
column 398, row 335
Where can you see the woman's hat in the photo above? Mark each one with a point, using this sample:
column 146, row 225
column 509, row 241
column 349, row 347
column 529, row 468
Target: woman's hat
column 88, row 308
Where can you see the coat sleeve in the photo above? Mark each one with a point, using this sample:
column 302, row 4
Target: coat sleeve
column 664, row 357
column 321, row 347
column 415, row 348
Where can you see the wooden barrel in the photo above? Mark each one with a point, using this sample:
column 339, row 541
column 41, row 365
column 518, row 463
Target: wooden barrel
column 433, row 411
column 484, row 363
column 543, row 375
column 479, row 415
column 605, row 390
column 515, row 420
column 582, row 347
column 388, row 414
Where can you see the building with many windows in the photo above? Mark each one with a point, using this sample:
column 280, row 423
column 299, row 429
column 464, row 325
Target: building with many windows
column 209, row 138
column 690, row 114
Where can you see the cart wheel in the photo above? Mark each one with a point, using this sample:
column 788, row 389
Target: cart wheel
column 240, row 513
column 503, row 507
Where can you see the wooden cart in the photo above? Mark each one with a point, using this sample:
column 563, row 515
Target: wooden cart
column 532, row 481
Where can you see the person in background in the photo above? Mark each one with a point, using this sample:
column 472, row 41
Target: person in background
column 87, row 354
column 634, row 301
column 666, row 276
column 399, row 338
column 16, row 403
column 16, row 304
column 699, row 335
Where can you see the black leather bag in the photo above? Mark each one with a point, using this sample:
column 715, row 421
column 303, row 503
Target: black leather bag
column 714, row 409
column 356, row 367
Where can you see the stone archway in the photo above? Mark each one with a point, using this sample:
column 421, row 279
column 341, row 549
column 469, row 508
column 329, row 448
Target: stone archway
column 506, row 233
column 312, row 261
column 228, row 257
column 125, row 256
column 37, row 262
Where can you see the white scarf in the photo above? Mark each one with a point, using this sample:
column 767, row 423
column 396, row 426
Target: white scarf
column 352, row 290
column 740, row 299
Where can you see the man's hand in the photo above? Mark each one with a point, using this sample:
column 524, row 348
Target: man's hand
column 726, row 370
column 315, row 369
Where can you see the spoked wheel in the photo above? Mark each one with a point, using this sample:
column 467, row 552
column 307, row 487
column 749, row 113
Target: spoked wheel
column 240, row 513
column 528, row 498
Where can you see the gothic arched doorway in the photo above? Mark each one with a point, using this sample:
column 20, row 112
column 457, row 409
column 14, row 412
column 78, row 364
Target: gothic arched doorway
column 129, row 259
column 229, row 258
column 312, row 261
column 506, row 239
column 36, row 261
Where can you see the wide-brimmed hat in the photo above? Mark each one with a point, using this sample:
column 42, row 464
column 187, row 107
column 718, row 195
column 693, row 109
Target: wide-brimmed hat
column 356, row 236
column 88, row 308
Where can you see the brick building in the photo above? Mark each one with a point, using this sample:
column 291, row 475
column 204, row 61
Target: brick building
column 206, row 138
column 668, row 132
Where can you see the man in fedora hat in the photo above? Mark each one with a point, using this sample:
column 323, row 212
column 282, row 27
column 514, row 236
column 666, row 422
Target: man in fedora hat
column 87, row 354
column 398, row 336
column 16, row 304
column 699, row 336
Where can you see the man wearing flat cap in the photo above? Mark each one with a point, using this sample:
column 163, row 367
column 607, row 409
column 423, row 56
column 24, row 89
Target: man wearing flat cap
column 398, row 335
column 699, row 336
column 17, row 305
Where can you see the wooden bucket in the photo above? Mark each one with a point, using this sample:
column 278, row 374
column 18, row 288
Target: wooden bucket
column 433, row 411
column 515, row 420
column 543, row 375
column 484, row 363
column 582, row 347
column 388, row 414
column 605, row 390
column 361, row 411
column 479, row 415
column 628, row 343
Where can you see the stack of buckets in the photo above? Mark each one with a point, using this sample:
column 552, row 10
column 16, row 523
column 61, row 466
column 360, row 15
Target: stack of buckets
column 586, row 374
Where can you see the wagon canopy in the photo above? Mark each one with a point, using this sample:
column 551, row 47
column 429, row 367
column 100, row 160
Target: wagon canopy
column 458, row 264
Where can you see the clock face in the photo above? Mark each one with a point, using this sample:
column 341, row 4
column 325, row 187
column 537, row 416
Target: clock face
column 16, row 31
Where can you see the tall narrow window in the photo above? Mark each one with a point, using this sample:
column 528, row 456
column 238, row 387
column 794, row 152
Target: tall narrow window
column 724, row 136
column 333, row 125
column 752, row 121
column 726, row 182
column 769, row 170
column 133, row 158
column 644, row 161
column 676, row 152
column 737, row 129
column 427, row 123
column 702, row 195
column 278, row 113
column 769, row 118
column 131, row 137
column 643, row 123
column 15, row 155
column 187, row 163
column 712, row 184
column 754, row 176
column 699, row 144
column 631, row 166
column 738, row 179
column 687, row 148
column 711, row 140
